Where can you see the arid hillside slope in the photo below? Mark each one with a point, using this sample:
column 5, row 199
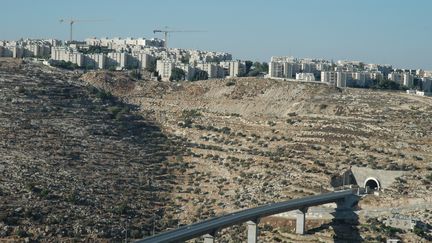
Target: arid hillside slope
column 76, row 162
column 253, row 141
column 85, row 156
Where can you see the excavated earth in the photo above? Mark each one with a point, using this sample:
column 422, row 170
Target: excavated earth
column 78, row 163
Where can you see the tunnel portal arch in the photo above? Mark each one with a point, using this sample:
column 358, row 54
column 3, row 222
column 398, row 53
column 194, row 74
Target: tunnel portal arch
column 372, row 183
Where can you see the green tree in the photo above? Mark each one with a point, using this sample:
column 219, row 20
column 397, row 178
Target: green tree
column 64, row 65
column 387, row 84
column 262, row 67
column 177, row 74
column 253, row 73
column 258, row 68
column 248, row 66
column 200, row 75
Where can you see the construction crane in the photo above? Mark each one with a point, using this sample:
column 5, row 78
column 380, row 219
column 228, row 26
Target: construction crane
column 166, row 31
column 73, row 21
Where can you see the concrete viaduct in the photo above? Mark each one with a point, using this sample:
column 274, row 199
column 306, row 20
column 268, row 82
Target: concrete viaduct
column 344, row 200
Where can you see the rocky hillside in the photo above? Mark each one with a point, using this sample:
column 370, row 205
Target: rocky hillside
column 80, row 163
column 253, row 141
column 76, row 162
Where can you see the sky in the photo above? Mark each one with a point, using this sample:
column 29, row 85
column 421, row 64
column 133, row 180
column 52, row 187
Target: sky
column 392, row 32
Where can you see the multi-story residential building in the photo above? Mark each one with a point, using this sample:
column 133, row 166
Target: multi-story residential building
column 427, row 74
column 97, row 61
column 234, row 68
column 27, row 48
column 164, row 68
column 117, row 59
column 213, row 70
column 329, row 77
column 276, row 69
column 395, row 77
column 283, row 69
column 68, row 55
column 427, row 85
column 288, row 67
column 120, row 44
column 308, row 67
column 284, row 59
column 341, row 79
column 188, row 69
column 323, row 67
column 140, row 60
column 305, row 76
column 406, row 79
column 338, row 79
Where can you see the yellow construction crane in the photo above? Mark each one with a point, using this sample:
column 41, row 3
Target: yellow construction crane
column 166, row 31
column 73, row 21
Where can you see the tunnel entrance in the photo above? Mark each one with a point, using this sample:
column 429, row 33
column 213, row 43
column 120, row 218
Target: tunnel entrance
column 372, row 183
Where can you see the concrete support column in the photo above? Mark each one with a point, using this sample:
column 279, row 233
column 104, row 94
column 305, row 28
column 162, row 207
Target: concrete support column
column 301, row 221
column 208, row 238
column 252, row 228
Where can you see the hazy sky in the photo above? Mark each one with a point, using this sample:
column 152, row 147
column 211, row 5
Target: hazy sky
column 376, row 31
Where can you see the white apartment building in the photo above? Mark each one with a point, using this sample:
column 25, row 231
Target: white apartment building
column 164, row 67
column 283, row 59
column 395, row 77
column 6, row 51
column 188, row 69
column 427, row 74
column 95, row 60
column 323, row 67
column 140, row 60
column 213, row 70
column 234, row 68
column 283, row 69
column 276, row 69
column 290, row 69
column 408, row 79
column 208, row 56
column 117, row 59
column 305, row 76
column 17, row 52
column 405, row 79
column 308, row 67
column 67, row 55
column 338, row 79
column 120, row 43
column 329, row 77
column 27, row 48
column 427, row 84
column 341, row 80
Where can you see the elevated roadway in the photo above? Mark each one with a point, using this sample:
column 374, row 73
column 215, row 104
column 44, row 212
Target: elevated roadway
column 209, row 227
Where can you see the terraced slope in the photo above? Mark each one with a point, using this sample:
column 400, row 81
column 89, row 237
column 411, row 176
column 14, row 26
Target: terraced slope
column 253, row 141
column 77, row 163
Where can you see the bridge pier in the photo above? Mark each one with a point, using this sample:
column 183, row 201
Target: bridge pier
column 252, row 228
column 208, row 238
column 301, row 221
